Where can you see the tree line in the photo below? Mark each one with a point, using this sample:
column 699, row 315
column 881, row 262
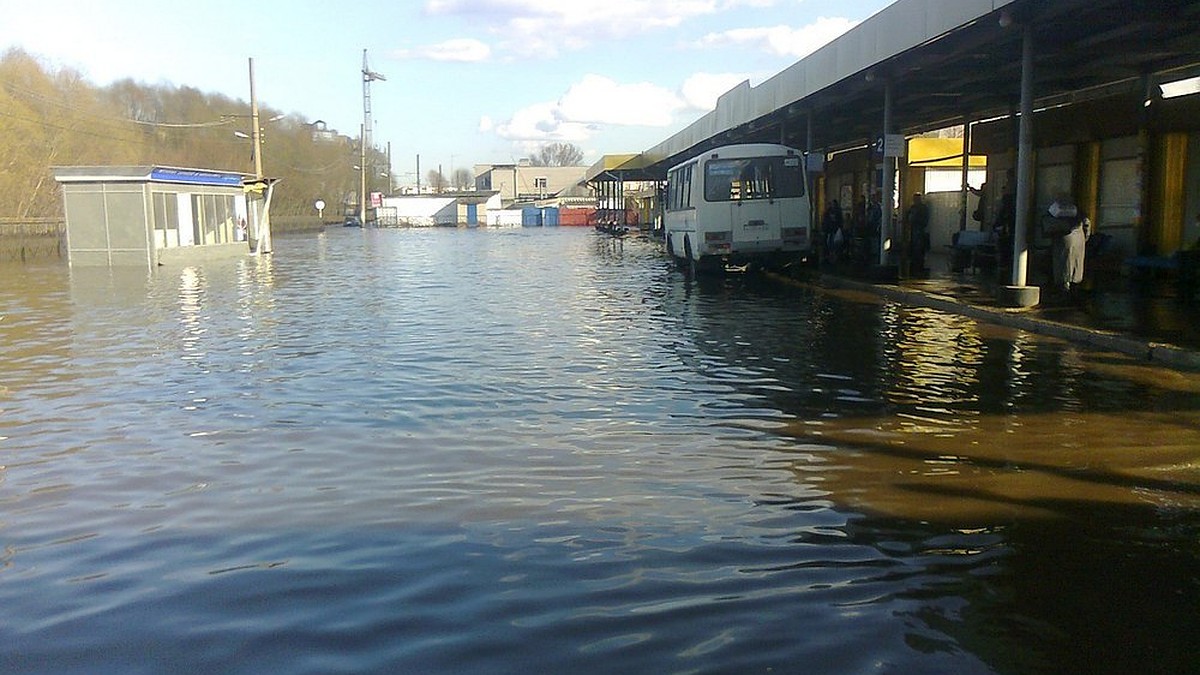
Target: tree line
column 53, row 117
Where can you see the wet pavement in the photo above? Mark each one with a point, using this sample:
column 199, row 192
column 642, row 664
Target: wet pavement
column 1143, row 316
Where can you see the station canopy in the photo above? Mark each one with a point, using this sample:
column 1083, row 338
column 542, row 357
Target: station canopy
column 965, row 65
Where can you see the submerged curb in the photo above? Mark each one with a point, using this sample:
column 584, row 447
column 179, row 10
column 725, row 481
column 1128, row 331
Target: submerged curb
column 1160, row 353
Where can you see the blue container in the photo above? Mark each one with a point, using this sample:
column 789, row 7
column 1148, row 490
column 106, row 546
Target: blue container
column 550, row 216
column 531, row 216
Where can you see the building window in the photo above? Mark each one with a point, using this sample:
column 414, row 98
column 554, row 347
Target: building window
column 541, row 184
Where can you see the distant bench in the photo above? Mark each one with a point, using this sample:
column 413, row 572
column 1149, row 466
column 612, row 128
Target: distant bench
column 1185, row 263
column 1153, row 262
column 972, row 248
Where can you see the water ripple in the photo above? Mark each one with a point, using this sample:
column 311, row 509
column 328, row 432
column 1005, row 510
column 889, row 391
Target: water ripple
column 460, row 450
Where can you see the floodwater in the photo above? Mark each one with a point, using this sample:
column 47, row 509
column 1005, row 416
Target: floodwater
column 541, row 450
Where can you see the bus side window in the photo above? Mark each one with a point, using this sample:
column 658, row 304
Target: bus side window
column 688, row 189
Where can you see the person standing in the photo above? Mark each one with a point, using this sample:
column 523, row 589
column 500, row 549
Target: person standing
column 980, row 212
column 1006, row 221
column 831, row 228
column 917, row 219
column 1066, row 226
column 874, row 226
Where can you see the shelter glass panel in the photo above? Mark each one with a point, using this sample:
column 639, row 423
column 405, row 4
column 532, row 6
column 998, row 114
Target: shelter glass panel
column 126, row 220
column 166, row 219
column 198, row 220
column 85, row 213
column 213, row 218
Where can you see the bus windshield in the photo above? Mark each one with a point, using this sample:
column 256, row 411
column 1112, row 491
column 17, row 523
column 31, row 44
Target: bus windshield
column 727, row 180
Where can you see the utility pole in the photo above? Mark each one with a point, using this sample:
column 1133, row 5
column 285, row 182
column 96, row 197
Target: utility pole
column 261, row 214
column 255, row 132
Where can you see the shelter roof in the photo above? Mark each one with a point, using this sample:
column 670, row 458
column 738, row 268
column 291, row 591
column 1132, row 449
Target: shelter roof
column 628, row 166
column 161, row 174
column 948, row 61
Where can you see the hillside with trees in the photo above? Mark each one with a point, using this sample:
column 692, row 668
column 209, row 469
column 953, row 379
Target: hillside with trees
column 55, row 118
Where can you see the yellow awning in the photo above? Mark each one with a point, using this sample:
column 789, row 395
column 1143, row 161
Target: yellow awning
column 629, row 163
column 940, row 153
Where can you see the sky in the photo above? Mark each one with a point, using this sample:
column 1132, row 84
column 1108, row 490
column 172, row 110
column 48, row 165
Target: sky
column 468, row 81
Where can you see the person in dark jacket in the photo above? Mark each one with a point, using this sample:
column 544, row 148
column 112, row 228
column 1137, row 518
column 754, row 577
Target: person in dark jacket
column 917, row 220
column 831, row 231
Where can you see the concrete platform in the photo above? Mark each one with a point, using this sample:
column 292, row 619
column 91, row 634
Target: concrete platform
column 1144, row 319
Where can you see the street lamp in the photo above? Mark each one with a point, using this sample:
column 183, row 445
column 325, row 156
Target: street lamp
column 257, row 137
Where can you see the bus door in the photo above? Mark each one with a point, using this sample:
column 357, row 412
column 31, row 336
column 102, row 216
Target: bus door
column 755, row 211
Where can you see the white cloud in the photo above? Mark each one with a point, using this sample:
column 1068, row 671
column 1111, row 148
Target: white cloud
column 461, row 50
column 589, row 105
column 600, row 100
column 701, row 90
column 543, row 27
column 539, row 122
column 782, row 40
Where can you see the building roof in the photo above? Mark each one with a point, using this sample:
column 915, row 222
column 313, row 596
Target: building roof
column 144, row 174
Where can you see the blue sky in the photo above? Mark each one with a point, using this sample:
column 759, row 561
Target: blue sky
column 468, row 81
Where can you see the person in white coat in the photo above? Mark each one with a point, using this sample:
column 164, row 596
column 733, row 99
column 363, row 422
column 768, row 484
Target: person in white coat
column 1067, row 227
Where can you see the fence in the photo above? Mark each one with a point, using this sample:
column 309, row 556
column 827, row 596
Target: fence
column 29, row 239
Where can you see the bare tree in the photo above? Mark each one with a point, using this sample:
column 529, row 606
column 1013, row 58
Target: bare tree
column 436, row 181
column 557, row 154
column 463, row 180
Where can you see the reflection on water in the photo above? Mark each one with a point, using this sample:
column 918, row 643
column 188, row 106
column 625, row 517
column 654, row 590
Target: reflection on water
column 449, row 451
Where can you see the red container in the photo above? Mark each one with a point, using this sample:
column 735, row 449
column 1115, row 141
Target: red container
column 575, row 217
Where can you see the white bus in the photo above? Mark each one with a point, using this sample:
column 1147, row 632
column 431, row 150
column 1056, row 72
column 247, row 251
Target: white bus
column 738, row 205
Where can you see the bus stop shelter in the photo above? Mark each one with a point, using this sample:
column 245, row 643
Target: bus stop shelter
column 153, row 215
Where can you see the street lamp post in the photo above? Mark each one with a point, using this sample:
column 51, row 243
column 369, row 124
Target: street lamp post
column 362, row 176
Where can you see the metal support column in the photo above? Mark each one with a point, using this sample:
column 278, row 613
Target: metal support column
column 1019, row 294
column 1020, row 268
column 887, row 188
column 966, row 174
